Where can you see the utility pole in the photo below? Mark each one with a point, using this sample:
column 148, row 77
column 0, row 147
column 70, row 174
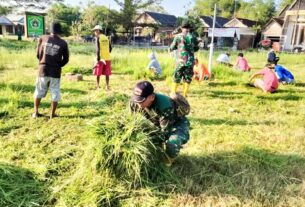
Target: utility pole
column 212, row 42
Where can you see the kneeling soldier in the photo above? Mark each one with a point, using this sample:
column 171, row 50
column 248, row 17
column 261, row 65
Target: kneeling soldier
column 161, row 110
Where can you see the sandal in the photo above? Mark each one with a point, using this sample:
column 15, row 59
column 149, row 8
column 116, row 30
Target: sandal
column 54, row 116
column 36, row 115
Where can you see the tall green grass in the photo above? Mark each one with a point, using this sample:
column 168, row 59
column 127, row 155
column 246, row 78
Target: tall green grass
column 246, row 148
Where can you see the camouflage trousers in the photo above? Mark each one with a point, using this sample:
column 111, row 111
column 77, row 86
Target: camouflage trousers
column 178, row 136
column 184, row 73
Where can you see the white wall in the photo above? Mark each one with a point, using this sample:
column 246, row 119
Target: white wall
column 288, row 39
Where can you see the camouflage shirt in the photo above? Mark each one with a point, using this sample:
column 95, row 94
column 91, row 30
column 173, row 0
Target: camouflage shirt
column 161, row 113
column 185, row 45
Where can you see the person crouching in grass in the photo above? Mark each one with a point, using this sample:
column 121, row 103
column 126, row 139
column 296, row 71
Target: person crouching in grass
column 163, row 113
column 154, row 66
column 200, row 71
column 241, row 63
column 269, row 83
column 284, row 75
column 224, row 59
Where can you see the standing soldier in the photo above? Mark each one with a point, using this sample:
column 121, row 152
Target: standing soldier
column 186, row 44
column 103, row 49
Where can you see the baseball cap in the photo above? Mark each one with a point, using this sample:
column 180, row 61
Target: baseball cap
column 97, row 27
column 141, row 91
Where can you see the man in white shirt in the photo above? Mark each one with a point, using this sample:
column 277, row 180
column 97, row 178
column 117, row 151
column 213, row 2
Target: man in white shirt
column 224, row 59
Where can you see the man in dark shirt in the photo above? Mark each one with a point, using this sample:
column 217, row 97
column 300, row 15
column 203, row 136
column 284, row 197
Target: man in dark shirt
column 52, row 53
column 271, row 57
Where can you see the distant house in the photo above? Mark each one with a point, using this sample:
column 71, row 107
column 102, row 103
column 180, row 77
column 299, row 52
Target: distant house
column 273, row 28
column 11, row 24
column 207, row 22
column 156, row 26
column 246, row 31
column 236, row 33
column 240, row 23
column 8, row 27
column 293, row 29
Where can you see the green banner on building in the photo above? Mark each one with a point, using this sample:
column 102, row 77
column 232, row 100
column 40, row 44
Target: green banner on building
column 35, row 25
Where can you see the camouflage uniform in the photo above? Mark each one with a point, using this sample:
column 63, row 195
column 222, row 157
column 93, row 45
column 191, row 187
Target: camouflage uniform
column 174, row 130
column 185, row 45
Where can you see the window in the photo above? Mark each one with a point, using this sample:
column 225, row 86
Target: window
column 9, row 29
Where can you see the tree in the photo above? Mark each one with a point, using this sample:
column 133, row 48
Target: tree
column 4, row 10
column 155, row 8
column 225, row 8
column 66, row 15
column 101, row 15
column 195, row 21
column 257, row 10
column 129, row 10
column 284, row 3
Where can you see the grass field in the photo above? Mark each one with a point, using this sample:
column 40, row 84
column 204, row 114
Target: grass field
column 247, row 148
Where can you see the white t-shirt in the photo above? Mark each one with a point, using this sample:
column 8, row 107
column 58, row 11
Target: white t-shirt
column 223, row 58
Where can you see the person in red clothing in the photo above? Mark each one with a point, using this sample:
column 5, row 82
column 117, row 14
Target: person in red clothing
column 269, row 83
column 241, row 63
column 53, row 54
column 103, row 63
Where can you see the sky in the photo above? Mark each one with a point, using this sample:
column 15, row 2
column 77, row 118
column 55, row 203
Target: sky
column 171, row 6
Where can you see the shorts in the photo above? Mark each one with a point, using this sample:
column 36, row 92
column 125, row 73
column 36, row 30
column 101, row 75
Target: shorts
column 178, row 136
column 42, row 86
column 259, row 83
column 102, row 69
column 184, row 73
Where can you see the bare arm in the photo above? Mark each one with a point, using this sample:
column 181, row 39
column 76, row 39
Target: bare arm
column 65, row 58
column 38, row 48
column 255, row 74
column 97, row 44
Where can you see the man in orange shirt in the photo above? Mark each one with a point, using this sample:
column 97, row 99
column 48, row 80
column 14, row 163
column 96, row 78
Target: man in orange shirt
column 103, row 49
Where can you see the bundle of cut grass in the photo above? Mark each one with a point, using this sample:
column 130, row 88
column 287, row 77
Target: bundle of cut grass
column 126, row 144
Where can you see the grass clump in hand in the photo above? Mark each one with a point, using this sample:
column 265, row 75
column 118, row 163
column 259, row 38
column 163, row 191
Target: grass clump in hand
column 127, row 145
